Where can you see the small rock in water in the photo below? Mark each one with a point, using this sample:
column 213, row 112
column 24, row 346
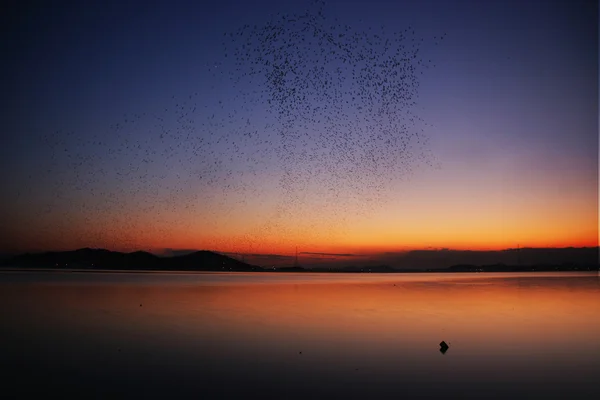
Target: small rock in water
column 443, row 347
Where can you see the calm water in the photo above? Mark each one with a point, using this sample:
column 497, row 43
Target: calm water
column 215, row 335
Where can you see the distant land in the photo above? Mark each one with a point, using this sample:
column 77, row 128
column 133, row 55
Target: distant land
column 203, row 260
column 101, row 259
column 422, row 259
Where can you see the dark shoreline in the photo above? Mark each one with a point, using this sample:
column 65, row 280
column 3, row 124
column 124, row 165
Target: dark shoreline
column 99, row 260
column 282, row 270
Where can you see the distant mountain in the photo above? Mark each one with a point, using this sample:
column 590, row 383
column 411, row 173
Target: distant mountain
column 101, row 259
column 521, row 268
column 112, row 260
column 207, row 261
column 443, row 258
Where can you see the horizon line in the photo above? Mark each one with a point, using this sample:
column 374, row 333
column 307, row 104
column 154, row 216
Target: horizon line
column 162, row 251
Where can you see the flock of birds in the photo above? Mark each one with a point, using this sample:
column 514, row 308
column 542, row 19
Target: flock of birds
column 314, row 113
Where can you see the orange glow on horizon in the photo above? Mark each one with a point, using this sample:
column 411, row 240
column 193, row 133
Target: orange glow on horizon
column 408, row 225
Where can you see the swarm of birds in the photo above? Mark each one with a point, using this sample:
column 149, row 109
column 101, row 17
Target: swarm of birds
column 343, row 102
column 321, row 110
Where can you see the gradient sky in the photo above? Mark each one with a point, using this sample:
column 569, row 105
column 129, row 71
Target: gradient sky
column 510, row 106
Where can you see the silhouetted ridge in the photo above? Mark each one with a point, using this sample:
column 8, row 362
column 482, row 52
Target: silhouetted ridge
column 205, row 260
column 140, row 260
column 210, row 261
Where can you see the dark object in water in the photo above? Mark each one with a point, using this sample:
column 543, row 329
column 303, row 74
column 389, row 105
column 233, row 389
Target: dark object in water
column 443, row 347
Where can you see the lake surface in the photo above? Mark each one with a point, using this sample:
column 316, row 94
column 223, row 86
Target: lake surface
column 286, row 335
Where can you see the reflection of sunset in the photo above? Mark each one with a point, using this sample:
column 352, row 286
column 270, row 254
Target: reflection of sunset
column 376, row 331
column 470, row 313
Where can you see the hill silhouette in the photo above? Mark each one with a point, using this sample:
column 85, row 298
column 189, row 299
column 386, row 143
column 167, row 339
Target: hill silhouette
column 139, row 260
column 204, row 260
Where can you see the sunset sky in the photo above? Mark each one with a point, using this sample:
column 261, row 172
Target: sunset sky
column 118, row 132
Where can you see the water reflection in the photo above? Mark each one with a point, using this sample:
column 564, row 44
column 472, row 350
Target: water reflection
column 304, row 335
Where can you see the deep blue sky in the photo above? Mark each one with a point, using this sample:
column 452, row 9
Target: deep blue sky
column 511, row 106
